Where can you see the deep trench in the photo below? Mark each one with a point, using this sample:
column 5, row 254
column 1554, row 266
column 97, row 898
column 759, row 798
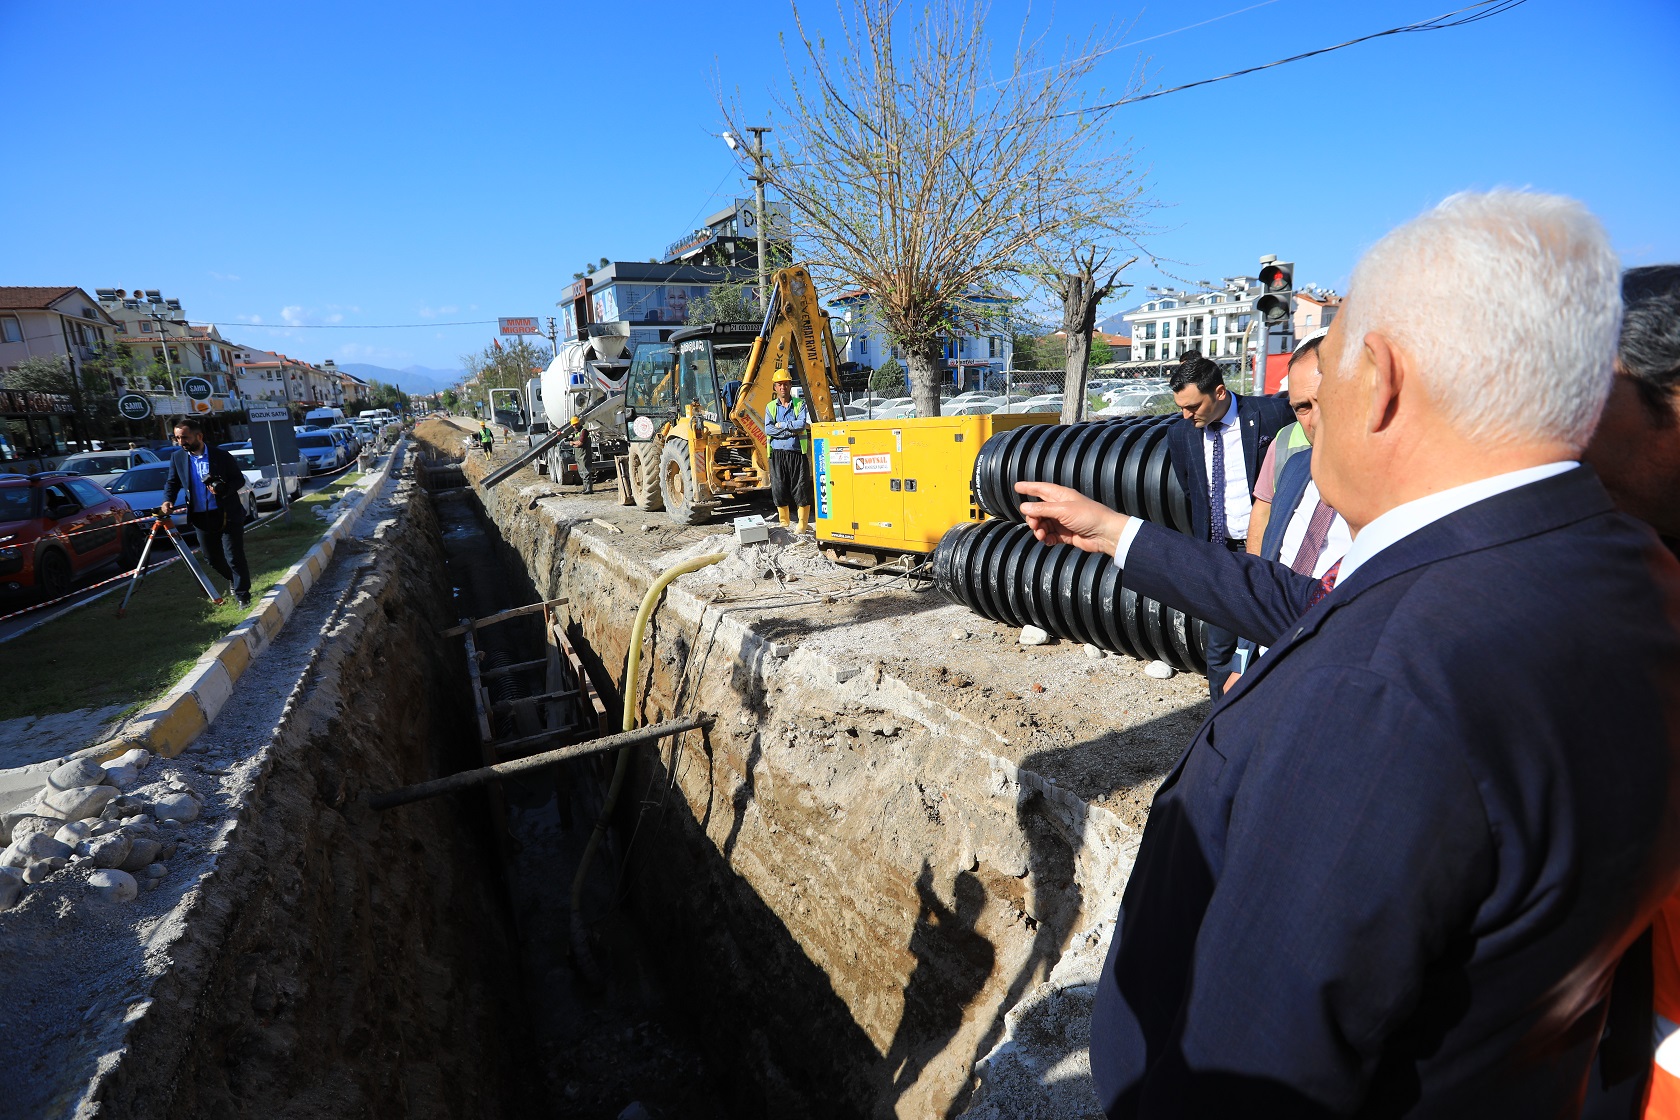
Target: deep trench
column 604, row 1033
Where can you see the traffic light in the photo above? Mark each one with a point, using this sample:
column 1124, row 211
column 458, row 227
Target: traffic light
column 1277, row 286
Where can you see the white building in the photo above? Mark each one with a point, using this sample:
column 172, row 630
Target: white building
column 864, row 344
column 1215, row 321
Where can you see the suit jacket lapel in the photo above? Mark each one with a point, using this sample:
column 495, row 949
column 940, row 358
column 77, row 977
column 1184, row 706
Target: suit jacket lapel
column 1248, row 414
column 1189, row 439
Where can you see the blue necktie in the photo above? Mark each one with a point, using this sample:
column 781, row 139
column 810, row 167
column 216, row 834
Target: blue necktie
column 1216, row 484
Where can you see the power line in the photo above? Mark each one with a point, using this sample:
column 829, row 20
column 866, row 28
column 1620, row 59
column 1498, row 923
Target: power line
column 347, row 326
column 1439, row 23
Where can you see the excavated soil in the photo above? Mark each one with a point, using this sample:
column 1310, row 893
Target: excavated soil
column 901, row 825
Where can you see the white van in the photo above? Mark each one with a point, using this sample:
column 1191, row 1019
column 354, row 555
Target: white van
column 323, row 417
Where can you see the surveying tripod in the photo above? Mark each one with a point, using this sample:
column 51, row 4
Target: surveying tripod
column 162, row 524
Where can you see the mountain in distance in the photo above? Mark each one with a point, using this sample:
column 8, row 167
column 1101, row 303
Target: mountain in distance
column 410, row 379
column 1115, row 324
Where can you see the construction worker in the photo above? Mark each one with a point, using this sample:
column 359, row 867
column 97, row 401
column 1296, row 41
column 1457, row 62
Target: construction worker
column 789, row 429
column 486, row 439
column 577, row 453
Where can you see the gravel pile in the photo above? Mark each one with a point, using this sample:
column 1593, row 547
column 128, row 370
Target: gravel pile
column 107, row 819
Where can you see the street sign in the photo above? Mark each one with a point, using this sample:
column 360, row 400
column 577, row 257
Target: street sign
column 524, row 325
column 267, row 413
column 198, row 388
column 134, row 406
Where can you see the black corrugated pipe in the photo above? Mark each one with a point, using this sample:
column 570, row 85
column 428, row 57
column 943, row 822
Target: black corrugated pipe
column 998, row 569
column 1123, row 464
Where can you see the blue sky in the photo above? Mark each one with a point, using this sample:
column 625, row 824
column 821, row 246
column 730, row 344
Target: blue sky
column 425, row 163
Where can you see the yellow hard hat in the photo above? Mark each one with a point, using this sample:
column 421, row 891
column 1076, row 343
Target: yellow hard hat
column 781, row 375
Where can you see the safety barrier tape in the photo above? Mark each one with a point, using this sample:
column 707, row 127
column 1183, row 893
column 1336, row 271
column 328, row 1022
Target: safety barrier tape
column 141, row 521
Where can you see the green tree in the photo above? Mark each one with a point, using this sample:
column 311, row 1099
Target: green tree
column 449, row 398
column 383, row 395
column 1101, row 352
column 502, row 367
column 887, row 377
column 90, row 390
column 735, row 301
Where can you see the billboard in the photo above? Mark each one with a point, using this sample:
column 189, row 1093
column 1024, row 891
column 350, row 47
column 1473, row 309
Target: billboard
column 778, row 218
column 523, row 325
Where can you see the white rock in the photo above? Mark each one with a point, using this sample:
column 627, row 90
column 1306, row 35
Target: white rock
column 1160, row 670
column 141, row 853
column 11, row 888
column 958, row 634
column 841, row 676
column 38, row 871
column 122, row 776
column 76, row 772
column 29, row 824
column 156, row 870
column 177, row 805
column 139, row 758
column 113, row 886
column 1093, row 652
column 78, row 802
column 38, row 845
column 1034, row 636
column 73, row 833
column 106, row 851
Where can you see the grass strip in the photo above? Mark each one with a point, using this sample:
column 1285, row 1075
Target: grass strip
column 90, row 657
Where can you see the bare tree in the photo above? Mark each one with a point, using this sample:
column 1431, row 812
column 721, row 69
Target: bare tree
column 922, row 175
column 1082, row 280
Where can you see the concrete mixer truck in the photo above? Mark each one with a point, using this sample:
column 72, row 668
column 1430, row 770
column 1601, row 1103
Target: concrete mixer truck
column 586, row 379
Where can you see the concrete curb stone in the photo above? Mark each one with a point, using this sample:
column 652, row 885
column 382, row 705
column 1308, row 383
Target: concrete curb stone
column 187, row 709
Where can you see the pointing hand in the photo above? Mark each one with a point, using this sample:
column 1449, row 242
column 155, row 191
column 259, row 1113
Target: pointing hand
column 1065, row 516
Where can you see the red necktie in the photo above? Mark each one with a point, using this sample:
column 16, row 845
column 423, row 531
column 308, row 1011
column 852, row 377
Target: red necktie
column 1324, row 585
column 1312, row 544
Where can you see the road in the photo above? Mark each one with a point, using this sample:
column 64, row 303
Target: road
column 12, row 627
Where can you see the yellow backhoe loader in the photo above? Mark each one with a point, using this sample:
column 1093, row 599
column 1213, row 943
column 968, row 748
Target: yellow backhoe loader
column 694, row 405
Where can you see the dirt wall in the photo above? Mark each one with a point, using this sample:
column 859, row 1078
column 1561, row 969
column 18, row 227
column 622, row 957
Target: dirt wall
column 871, row 858
column 348, row 963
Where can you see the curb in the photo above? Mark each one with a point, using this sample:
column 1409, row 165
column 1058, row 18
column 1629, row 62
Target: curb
column 183, row 713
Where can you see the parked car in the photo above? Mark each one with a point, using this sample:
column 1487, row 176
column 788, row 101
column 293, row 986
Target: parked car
column 323, row 450
column 351, row 438
column 142, row 489
column 103, row 467
column 266, row 490
column 56, row 527
column 976, row 408
column 973, row 396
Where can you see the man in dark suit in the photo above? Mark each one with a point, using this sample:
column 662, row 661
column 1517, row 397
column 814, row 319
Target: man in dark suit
column 1394, row 871
column 1217, row 446
column 208, row 481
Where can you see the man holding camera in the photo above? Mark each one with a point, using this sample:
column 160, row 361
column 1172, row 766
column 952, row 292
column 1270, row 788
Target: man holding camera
column 209, row 480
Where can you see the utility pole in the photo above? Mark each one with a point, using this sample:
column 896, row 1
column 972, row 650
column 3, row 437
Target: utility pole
column 554, row 337
column 758, row 203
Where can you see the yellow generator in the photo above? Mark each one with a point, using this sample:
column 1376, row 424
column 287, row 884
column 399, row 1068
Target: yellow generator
column 891, row 487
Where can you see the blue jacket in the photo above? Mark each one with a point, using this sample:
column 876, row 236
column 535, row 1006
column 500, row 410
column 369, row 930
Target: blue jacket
column 790, row 433
column 1261, row 419
column 1394, row 870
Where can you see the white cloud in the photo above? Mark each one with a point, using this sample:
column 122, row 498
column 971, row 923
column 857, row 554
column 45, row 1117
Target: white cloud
column 253, row 319
column 434, row 312
column 335, row 317
column 223, row 276
column 292, row 315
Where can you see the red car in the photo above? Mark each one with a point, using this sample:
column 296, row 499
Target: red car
column 56, row 526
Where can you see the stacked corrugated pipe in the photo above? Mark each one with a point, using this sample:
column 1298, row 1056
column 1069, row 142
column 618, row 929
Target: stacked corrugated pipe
column 998, row 569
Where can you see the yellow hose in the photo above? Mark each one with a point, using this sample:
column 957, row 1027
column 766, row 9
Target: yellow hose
column 632, row 697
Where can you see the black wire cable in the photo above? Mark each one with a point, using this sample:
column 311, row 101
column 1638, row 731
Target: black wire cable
column 1438, row 23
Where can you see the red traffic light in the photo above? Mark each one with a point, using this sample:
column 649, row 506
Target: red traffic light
column 1277, row 277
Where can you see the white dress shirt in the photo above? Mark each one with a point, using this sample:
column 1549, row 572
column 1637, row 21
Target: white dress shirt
column 1238, row 502
column 1335, row 545
column 1404, row 520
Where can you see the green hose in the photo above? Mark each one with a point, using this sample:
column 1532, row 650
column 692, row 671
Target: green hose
column 632, row 696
